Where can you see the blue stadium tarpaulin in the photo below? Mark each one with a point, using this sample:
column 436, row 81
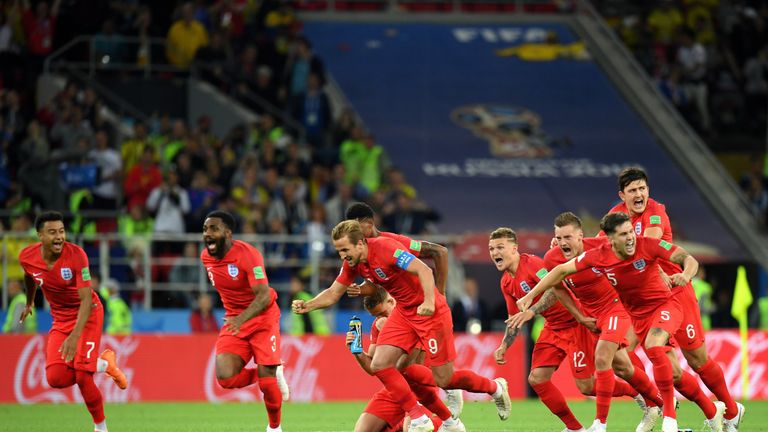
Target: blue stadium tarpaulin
column 505, row 125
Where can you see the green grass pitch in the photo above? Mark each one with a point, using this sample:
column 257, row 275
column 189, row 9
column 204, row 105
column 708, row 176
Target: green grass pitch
column 528, row 415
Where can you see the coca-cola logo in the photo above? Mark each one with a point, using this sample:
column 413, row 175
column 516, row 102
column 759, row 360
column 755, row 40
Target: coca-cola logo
column 302, row 378
column 31, row 386
column 476, row 354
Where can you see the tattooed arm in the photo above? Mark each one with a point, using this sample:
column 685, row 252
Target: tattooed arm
column 510, row 333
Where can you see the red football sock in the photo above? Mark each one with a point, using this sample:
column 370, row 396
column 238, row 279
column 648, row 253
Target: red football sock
column 554, row 400
column 622, row 388
column 419, row 374
column 91, row 395
column 640, row 381
column 246, row 377
column 604, row 384
column 273, row 399
column 712, row 376
column 688, row 386
column 662, row 373
column 638, row 364
column 60, row 375
column 465, row 379
column 430, row 398
column 398, row 388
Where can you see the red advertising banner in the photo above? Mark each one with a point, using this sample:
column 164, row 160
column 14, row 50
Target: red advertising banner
column 724, row 347
column 181, row 368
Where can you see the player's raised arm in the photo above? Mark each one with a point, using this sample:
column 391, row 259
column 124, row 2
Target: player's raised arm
column 554, row 277
column 327, row 297
column 439, row 255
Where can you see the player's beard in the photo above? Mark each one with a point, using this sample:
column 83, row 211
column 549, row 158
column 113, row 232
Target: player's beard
column 220, row 249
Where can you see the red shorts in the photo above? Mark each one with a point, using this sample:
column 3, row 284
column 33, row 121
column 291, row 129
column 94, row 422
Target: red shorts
column 690, row 335
column 667, row 317
column 614, row 324
column 87, row 347
column 576, row 343
column 383, row 406
column 435, row 333
column 258, row 338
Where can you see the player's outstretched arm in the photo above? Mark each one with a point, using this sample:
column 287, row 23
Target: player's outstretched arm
column 554, row 277
column 566, row 300
column 690, row 266
column 69, row 346
column 327, row 297
column 439, row 255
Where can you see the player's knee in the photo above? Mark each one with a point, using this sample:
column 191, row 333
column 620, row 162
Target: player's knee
column 535, row 378
column 623, row 369
column 59, row 377
column 442, row 381
column 602, row 361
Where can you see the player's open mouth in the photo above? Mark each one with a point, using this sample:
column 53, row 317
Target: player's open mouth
column 498, row 260
column 630, row 247
column 638, row 202
column 566, row 249
column 211, row 245
column 57, row 245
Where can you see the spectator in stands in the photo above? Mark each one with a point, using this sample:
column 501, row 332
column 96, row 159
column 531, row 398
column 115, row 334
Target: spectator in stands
column 311, row 323
column 132, row 148
column 663, row 23
column 107, row 45
column 170, row 204
column 301, row 64
column 185, row 37
column 14, row 119
column 692, row 59
column 265, row 88
column 136, row 227
column 758, row 198
column 39, row 30
column 336, row 207
column 105, row 193
column 17, row 304
column 202, row 320
column 70, row 128
column 185, row 273
column 119, row 318
column 313, row 110
column 289, row 208
column 38, row 175
column 202, row 200
column 756, row 89
column 142, row 179
column 177, row 142
column 470, row 309
column 22, row 236
column 405, row 215
column 215, row 58
column 319, row 185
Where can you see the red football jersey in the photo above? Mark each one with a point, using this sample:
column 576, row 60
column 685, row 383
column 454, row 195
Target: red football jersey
column 235, row 275
column 593, row 290
column 654, row 216
column 414, row 246
column 386, row 266
column 530, row 270
column 636, row 279
column 61, row 282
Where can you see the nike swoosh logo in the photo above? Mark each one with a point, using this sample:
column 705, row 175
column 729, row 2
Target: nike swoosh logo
column 36, row 274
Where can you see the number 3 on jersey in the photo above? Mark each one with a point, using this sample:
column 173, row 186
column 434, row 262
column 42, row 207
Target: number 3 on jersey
column 210, row 277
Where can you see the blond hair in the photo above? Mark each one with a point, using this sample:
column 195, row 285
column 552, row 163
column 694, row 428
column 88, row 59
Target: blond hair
column 504, row 232
column 348, row 228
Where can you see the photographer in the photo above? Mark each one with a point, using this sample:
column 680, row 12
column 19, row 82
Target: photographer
column 169, row 202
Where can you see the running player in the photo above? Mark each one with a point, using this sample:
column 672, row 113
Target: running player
column 561, row 337
column 60, row 269
column 383, row 414
column 252, row 319
column 649, row 219
column 598, row 299
column 629, row 263
column 421, row 316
